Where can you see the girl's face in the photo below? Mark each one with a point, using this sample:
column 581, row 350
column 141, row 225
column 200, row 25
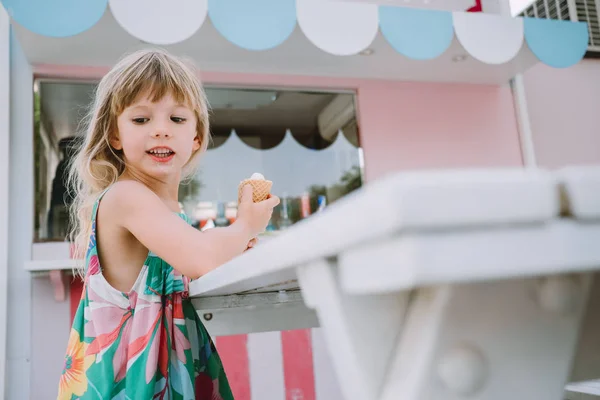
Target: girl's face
column 157, row 139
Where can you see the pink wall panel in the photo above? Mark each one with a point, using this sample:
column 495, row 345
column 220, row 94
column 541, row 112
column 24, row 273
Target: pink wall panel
column 415, row 125
column 563, row 109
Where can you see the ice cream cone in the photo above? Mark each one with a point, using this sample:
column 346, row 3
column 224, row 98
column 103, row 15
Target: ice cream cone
column 261, row 189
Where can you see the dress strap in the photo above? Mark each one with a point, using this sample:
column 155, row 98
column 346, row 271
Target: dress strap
column 97, row 203
column 91, row 257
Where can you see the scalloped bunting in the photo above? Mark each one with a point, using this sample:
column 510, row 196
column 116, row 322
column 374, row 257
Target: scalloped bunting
column 254, row 25
column 492, row 39
column 558, row 44
column 56, row 18
column 158, row 21
column 417, row 34
column 338, row 27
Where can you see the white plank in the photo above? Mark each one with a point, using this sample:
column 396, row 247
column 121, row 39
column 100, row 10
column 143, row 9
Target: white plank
column 582, row 190
column 405, row 201
column 4, row 181
column 21, row 224
column 327, row 386
column 266, row 366
column 428, row 258
column 51, row 251
column 360, row 331
column 256, row 318
column 48, row 265
column 587, row 387
column 586, row 363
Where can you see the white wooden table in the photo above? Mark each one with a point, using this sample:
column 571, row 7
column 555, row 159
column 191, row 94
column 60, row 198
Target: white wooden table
column 435, row 285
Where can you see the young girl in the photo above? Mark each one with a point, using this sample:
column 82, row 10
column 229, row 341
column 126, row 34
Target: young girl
column 136, row 335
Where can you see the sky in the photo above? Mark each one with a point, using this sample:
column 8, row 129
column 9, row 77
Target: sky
column 516, row 6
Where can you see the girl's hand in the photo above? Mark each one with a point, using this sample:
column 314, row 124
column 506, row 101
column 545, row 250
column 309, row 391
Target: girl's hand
column 251, row 244
column 255, row 216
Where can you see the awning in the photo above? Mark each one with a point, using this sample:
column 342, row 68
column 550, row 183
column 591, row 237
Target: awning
column 337, row 28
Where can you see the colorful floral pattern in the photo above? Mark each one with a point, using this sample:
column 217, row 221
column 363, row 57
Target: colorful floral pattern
column 145, row 344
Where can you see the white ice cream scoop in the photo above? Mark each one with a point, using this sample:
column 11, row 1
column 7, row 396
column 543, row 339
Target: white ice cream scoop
column 261, row 187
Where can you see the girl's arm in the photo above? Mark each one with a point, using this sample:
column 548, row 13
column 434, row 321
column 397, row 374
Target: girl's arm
column 136, row 208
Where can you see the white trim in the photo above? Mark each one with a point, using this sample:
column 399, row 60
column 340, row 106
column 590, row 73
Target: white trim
column 265, row 356
column 4, row 182
column 327, row 386
column 559, row 246
column 587, row 387
column 20, row 222
column 50, row 265
column 520, row 103
column 525, row 132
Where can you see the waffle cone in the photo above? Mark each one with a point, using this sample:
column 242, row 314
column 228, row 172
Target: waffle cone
column 260, row 189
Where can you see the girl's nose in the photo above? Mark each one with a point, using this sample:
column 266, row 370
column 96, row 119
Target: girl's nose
column 160, row 132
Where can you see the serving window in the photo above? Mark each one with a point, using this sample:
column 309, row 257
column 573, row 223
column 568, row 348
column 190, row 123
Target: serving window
column 306, row 142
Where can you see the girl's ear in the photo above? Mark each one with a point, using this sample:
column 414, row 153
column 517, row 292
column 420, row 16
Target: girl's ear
column 196, row 144
column 115, row 142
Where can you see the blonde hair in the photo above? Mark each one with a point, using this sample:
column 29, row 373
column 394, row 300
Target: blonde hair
column 97, row 165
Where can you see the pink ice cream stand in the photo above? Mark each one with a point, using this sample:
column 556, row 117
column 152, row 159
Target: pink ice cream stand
column 439, row 231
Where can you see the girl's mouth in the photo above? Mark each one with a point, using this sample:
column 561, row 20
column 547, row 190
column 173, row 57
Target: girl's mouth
column 161, row 154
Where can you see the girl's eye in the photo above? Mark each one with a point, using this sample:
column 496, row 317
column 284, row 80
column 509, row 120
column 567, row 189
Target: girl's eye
column 178, row 120
column 140, row 120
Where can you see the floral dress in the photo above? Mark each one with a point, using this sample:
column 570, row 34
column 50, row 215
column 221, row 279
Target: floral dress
column 145, row 344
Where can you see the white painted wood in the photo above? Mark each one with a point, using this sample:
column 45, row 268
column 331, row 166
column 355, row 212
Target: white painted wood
column 359, row 331
column 51, row 256
column 586, row 364
column 317, row 279
column 582, row 189
column 260, row 319
column 4, row 183
column 265, row 358
column 525, row 350
column 49, row 265
column 587, row 387
column 327, row 386
column 522, row 112
column 20, row 222
column 219, row 303
column 417, row 343
column 420, row 259
column 51, row 251
column 262, row 312
column 404, row 201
